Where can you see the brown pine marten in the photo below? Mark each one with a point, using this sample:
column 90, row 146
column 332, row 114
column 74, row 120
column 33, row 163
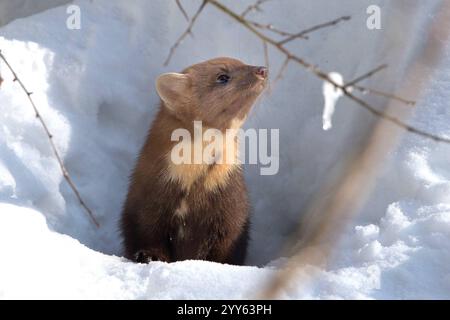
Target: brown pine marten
column 178, row 211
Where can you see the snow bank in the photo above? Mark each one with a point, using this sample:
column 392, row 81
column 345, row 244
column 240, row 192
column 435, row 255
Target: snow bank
column 44, row 264
column 94, row 87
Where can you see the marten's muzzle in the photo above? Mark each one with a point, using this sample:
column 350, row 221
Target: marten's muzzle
column 261, row 72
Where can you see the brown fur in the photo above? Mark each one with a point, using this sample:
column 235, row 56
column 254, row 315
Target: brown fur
column 192, row 211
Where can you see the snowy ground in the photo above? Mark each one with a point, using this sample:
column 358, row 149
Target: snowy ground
column 94, row 87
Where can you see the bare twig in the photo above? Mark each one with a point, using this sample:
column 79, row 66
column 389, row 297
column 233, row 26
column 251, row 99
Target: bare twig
column 299, row 35
column 267, row 64
column 52, row 144
column 396, row 121
column 180, row 6
column 324, row 76
column 302, row 34
column 365, row 90
column 185, row 33
column 272, row 28
column 282, row 70
column 253, row 7
column 366, row 75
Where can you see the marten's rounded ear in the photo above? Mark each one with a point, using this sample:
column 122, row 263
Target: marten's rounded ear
column 172, row 87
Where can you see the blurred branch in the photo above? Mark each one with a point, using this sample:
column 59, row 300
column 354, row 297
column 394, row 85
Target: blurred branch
column 348, row 192
column 185, row 33
column 52, row 143
column 267, row 63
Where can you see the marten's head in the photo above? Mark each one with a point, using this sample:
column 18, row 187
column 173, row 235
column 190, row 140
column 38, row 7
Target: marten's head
column 218, row 92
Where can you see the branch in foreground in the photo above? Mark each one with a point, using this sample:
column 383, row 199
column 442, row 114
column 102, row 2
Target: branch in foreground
column 324, row 76
column 185, row 33
column 52, row 144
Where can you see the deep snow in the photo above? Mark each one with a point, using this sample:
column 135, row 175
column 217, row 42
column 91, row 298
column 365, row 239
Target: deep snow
column 94, row 87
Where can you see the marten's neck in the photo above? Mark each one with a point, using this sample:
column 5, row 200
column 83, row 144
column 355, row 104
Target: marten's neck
column 211, row 175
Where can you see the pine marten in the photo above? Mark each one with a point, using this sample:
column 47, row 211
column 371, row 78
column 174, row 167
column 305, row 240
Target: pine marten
column 199, row 211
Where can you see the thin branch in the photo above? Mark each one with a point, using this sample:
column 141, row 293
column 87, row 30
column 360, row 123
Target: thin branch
column 395, row 120
column 366, row 75
column 253, row 7
column 52, row 144
column 185, row 33
column 302, row 34
column 365, row 90
column 180, row 6
column 270, row 27
column 324, row 76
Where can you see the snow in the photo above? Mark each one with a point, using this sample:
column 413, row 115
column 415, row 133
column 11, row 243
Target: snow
column 78, row 272
column 95, row 88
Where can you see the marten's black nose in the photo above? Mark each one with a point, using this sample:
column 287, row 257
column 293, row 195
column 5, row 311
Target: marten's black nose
column 262, row 72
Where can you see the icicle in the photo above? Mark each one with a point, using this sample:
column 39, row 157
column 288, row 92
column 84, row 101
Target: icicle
column 331, row 95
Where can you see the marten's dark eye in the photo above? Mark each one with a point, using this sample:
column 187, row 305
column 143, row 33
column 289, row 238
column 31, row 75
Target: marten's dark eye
column 223, row 78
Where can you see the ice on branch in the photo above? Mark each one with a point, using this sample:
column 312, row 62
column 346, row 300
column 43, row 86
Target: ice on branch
column 331, row 95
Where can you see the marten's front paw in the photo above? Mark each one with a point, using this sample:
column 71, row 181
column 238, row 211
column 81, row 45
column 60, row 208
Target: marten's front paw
column 146, row 256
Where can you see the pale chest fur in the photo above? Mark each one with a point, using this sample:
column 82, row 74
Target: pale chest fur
column 211, row 173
